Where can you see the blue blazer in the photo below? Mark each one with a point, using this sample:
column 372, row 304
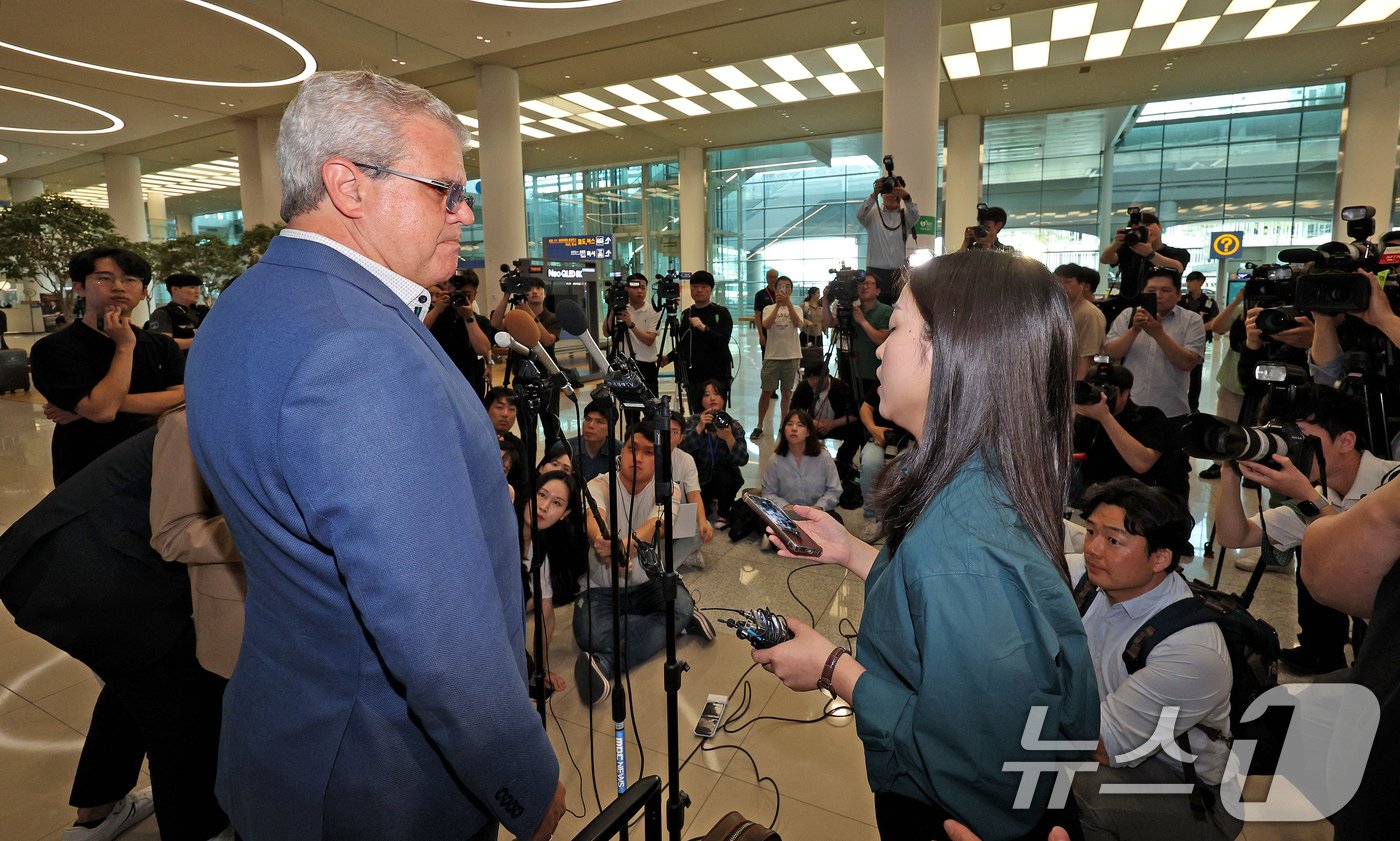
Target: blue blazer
column 380, row 691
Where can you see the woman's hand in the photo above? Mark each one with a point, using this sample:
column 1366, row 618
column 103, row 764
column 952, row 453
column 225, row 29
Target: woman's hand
column 798, row 663
column 831, row 536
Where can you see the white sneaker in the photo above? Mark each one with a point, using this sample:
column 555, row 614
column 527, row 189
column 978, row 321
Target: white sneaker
column 871, row 531
column 129, row 811
column 1248, row 563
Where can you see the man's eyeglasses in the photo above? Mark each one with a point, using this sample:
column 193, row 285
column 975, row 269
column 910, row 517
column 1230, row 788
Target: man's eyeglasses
column 455, row 191
column 105, row 279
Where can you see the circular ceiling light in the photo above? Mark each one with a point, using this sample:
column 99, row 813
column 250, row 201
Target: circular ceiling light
column 116, row 125
column 308, row 60
column 547, row 4
column 3, row 159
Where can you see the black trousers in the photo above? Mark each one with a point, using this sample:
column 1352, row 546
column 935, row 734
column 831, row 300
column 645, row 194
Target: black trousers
column 170, row 713
column 721, row 487
column 1193, row 393
column 1323, row 631
column 901, row 818
column 852, row 438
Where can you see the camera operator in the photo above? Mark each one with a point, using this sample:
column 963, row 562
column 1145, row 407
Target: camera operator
column 990, row 221
column 1079, row 284
column 1337, row 421
column 1120, row 438
column 834, row 414
column 1325, row 357
column 702, row 345
column 1197, row 301
column 888, row 215
column 463, row 334
column 1136, row 261
column 1173, row 344
column 642, row 325
column 871, row 317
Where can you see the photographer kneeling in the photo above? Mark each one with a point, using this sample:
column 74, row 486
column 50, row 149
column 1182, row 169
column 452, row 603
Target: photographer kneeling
column 1120, row 438
column 716, row 440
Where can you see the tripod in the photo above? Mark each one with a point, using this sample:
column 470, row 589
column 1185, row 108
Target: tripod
column 847, row 358
column 532, row 388
column 671, row 328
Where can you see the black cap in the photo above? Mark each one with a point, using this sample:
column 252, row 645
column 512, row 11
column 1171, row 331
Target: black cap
column 183, row 279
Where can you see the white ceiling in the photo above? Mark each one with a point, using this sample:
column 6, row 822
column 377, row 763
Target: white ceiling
column 440, row 44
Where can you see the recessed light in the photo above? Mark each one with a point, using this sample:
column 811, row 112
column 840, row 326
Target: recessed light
column 1073, row 22
column 592, row 103
column 1106, row 44
column 733, row 99
column 962, row 66
column 631, row 93
column 785, row 92
column 643, row 113
column 1237, row 7
column 1158, row 13
column 839, row 84
column 679, row 86
column 1281, row 20
column 688, row 108
column 788, row 68
column 601, row 120
column 1030, row 56
column 1370, row 12
column 991, row 34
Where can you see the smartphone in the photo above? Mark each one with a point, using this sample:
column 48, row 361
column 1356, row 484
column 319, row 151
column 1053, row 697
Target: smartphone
column 1148, row 301
column 708, row 725
column 793, row 537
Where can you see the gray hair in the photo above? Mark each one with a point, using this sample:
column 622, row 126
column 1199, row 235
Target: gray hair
column 352, row 113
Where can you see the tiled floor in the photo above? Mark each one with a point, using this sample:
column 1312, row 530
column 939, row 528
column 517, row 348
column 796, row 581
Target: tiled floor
column 816, row 768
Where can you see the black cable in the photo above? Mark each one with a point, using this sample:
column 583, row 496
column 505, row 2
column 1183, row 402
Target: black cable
column 577, row 772
column 811, row 617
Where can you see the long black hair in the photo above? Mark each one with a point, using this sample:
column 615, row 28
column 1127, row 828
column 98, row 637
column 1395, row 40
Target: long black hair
column 999, row 330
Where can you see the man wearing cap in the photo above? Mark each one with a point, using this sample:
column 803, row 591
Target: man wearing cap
column 1135, row 261
column 643, row 325
column 180, row 318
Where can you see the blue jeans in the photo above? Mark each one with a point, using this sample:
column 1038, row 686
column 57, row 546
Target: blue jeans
column 872, row 461
column 643, row 620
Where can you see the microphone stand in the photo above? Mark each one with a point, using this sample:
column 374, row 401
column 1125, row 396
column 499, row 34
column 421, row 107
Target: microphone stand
column 619, row 695
column 531, row 388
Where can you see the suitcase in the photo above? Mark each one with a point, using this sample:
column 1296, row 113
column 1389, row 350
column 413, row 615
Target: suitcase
column 14, row 371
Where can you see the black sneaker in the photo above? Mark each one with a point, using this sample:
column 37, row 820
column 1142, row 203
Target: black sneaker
column 591, row 678
column 1302, row 661
column 700, row 626
column 1212, row 472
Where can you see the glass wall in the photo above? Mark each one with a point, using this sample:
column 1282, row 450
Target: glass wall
column 228, row 225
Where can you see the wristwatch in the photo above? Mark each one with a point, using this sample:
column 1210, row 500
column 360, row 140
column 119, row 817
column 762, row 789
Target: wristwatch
column 1310, row 509
column 828, row 671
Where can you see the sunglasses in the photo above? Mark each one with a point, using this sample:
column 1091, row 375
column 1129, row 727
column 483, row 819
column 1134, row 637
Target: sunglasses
column 455, row 191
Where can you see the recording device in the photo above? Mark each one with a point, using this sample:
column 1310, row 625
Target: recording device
column 1334, row 282
column 891, row 181
column 792, row 536
column 1097, row 384
column 1136, row 232
column 458, row 298
column 722, row 420
column 980, row 230
column 1275, row 320
column 842, row 288
column 649, row 559
column 1219, row 439
column 614, row 292
column 760, row 627
column 1148, row 301
column 523, row 330
column 710, row 717
column 515, row 280
column 668, row 289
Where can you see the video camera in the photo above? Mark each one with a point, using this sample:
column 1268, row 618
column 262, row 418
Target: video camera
column 842, row 288
column 1335, row 284
column 890, row 182
column 516, row 280
column 1098, row 384
column 1136, row 232
column 668, row 290
column 615, row 292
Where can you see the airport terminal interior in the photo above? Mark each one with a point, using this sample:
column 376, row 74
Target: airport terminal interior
column 734, row 136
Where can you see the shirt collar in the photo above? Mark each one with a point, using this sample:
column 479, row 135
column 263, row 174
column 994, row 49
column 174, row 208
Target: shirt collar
column 413, row 296
column 1368, row 476
column 1171, row 589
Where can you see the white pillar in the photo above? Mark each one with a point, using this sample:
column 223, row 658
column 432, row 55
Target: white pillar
column 268, row 171
column 694, row 215
column 125, row 202
column 1366, row 167
column 155, row 214
column 250, row 190
column 912, row 57
column 184, row 224
column 24, row 189
column 502, row 170
column 962, row 176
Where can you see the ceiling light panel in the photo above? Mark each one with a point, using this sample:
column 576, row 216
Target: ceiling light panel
column 679, row 86
column 631, row 93
column 565, row 125
column 592, row 103
column 1239, row 7
column 688, row 108
column 732, row 77
column 601, row 120
column 733, row 99
column 1189, row 33
column 850, row 58
column 1104, row 45
column 1371, row 11
column 1030, row 56
column 531, row 131
column 788, row 68
column 1073, row 22
column 962, row 66
column 1158, row 13
column 990, row 35
column 543, row 108
column 643, row 113
column 838, row 84
column 785, row 92
column 1280, row 20
column 468, row 121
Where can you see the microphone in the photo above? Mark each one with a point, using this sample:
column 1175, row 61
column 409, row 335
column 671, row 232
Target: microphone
column 522, row 328
column 572, row 317
column 503, row 340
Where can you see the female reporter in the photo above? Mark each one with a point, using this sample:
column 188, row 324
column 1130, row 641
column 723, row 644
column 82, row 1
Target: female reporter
column 969, row 624
column 717, row 442
column 554, row 500
column 801, row 471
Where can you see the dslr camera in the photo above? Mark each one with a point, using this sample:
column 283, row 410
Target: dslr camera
column 980, row 231
column 1218, row 439
column 888, row 184
column 1273, row 288
column 458, row 297
column 722, row 420
column 1136, row 232
column 1098, row 384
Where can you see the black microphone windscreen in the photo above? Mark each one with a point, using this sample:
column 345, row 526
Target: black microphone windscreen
column 505, row 267
column 1299, row 255
column 571, row 317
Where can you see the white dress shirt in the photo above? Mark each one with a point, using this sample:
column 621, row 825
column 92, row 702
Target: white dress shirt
column 414, row 296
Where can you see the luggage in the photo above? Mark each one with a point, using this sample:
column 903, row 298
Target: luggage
column 735, row 827
column 14, row 371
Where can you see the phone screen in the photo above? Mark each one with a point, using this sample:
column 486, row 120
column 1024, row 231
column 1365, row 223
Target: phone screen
column 792, row 536
column 1148, row 301
column 778, row 516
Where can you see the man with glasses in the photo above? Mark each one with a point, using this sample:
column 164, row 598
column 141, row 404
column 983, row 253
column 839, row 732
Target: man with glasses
column 383, row 641
column 870, row 322
column 104, row 379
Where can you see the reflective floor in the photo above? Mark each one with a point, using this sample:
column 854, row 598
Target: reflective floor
column 810, row 774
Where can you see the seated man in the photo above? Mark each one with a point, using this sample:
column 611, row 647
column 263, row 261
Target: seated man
column 834, row 412
column 502, row 406
column 685, row 474
column 638, row 523
column 590, row 448
column 1130, row 549
column 1121, row 438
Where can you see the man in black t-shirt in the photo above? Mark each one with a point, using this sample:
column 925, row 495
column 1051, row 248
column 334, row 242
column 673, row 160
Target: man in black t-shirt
column 104, row 379
column 1196, row 300
column 702, row 345
column 180, row 318
column 464, row 335
column 1134, row 261
column 1121, row 438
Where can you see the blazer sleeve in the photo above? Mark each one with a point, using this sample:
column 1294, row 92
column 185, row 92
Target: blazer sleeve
column 439, row 596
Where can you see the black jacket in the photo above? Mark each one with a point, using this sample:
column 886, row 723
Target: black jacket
column 706, row 351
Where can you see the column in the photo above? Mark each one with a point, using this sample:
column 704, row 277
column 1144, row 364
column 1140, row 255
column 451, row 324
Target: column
column 503, row 173
column 126, row 203
column 250, row 190
column 269, row 172
column 694, row 215
column 1366, row 166
column 184, row 224
column 912, row 57
column 155, row 214
column 24, row 189
column 962, row 176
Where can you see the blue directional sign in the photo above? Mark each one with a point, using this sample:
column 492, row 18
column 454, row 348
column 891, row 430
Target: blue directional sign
column 579, row 249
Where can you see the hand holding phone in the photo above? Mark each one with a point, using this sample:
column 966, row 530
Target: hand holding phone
column 793, row 537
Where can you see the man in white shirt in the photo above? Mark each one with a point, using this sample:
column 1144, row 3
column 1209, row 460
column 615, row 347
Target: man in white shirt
column 1130, row 551
column 687, row 476
column 782, row 321
column 638, row 528
column 642, row 325
column 1159, row 348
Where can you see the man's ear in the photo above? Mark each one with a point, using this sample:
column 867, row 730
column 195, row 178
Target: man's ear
column 345, row 183
column 1346, row 442
column 1161, row 560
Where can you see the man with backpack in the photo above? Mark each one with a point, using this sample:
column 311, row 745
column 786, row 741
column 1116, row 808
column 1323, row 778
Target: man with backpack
column 1131, row 552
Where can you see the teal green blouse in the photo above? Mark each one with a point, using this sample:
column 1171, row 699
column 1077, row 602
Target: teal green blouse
column 966, row 628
